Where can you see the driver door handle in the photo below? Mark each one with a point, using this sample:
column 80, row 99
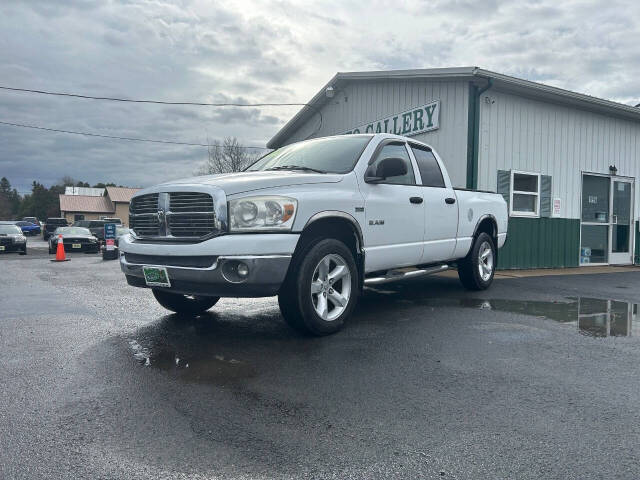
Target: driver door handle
column 416, row 199
column 450, row 200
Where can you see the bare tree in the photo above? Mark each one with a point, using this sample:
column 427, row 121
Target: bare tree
column 230, row 156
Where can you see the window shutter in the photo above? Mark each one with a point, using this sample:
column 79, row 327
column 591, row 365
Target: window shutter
column 504, row 184
column 545, row 196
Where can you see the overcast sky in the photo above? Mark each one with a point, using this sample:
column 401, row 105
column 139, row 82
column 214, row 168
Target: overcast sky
column 277, row 51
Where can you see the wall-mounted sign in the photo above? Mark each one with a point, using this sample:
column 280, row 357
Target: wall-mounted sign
column 557, row 207
column 412, row 122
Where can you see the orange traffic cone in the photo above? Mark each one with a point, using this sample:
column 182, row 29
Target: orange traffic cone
column 60, row 256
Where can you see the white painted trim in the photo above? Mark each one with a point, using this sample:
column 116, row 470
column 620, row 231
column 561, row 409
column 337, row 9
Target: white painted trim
column 515, row 213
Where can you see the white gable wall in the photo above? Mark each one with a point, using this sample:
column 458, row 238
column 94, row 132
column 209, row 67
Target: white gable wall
column 362, row 102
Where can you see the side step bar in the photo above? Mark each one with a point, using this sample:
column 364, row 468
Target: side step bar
column 396, row 275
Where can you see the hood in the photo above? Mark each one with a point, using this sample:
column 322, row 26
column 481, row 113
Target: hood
column 70, row 236
column 240, row 182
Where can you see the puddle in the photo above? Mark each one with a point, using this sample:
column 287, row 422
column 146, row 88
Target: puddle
column 594, row 317
column 190, row 366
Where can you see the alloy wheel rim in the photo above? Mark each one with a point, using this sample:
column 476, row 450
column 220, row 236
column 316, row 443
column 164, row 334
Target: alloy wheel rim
column 485, row 261
column 331, row 287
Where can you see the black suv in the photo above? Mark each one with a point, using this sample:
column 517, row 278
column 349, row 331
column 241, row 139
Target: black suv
column 51, row 224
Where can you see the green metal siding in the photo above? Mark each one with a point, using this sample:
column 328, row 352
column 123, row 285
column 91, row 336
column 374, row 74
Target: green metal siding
column 541, row 243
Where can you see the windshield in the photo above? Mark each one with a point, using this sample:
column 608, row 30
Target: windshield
column 72, row 231
column 10, row 230
column 326, row 155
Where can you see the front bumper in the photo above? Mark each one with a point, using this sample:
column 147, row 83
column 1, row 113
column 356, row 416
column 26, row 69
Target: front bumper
column 84, row 247
column 199, row 269
column 13, row 247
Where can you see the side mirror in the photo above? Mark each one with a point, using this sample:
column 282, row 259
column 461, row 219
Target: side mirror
column 388, row 167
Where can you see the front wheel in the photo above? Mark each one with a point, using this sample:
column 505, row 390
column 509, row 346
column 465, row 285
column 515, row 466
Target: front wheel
column 184, row 304
column 321, row 290
column 476, row 270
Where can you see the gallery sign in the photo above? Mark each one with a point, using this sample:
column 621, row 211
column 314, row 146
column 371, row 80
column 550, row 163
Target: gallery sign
column 412, row 122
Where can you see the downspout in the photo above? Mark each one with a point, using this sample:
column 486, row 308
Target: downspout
column 473, row 132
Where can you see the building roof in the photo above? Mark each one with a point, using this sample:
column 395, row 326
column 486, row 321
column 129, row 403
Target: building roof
column 121, row 194
column 85, row 203
column 475, row 74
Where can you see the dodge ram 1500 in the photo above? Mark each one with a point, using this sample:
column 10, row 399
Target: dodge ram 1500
column 312, row 222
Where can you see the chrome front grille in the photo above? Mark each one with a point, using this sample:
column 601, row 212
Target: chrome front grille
column 180, row 215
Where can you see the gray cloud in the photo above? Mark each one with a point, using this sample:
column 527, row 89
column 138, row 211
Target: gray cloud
column 273, row 51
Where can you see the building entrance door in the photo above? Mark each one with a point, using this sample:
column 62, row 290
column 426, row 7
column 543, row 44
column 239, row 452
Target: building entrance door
column 621, row 251
column 606, row 234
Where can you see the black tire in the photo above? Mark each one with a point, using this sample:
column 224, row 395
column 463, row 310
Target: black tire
column 51, row 250
column 296, row 300
column 24, row 252
column 469, row 268
column 184, row 304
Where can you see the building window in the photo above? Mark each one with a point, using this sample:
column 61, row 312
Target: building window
column 525, row 194
column 77, row 217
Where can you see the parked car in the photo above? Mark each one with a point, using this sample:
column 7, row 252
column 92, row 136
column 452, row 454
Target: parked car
column 29, row 228
column 96, row 227
column 12, row 239
column 51, row 224
column 115, row 220
column 34, row 220
column 312, row 222
column 76, row 239
column 120, row 231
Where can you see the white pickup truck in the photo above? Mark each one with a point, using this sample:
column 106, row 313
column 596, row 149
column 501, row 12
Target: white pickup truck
column 312, row 222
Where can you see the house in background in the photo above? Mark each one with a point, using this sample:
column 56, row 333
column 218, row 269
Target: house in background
column 120, row 198
column 112, row 203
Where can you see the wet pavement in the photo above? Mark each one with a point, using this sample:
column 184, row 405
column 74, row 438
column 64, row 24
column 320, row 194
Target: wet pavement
column 534, row 378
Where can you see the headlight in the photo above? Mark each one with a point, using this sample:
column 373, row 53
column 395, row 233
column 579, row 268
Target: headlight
column 262, row 214
column 19, row 239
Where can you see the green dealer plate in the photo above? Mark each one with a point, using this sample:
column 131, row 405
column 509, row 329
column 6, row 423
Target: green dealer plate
column 156, row 276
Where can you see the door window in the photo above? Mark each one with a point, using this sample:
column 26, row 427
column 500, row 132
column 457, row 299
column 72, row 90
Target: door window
column 395, row 150
column 621, row 217
column 595, row 199
column 428, row 166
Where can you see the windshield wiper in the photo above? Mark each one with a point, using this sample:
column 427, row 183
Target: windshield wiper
column 296, row 167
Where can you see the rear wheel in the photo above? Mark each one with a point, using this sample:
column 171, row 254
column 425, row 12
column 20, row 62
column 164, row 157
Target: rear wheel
column 477, row 269
column 184, row 304
column 322, row 288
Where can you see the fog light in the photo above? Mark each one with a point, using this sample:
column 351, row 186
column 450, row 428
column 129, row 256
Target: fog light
column 235, row 271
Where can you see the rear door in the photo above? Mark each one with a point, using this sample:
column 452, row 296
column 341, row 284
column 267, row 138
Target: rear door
column 440, row 207
column 394, row 214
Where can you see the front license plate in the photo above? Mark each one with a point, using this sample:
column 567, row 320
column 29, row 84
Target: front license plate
column 1, row 248
column 156, row 276
column 76, row 245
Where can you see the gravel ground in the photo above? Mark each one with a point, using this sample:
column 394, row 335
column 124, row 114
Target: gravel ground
column 427, row 381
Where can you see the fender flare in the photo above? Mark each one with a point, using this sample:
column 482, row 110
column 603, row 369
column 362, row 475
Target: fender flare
column 483, row 218
column 339, row 214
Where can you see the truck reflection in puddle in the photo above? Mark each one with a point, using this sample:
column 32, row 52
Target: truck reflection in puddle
column 594, row 317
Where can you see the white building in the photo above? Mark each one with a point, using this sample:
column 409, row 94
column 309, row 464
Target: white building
column 567, row 163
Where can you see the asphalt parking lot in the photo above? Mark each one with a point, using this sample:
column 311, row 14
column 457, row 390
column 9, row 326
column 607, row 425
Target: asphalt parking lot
column 535, row 378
